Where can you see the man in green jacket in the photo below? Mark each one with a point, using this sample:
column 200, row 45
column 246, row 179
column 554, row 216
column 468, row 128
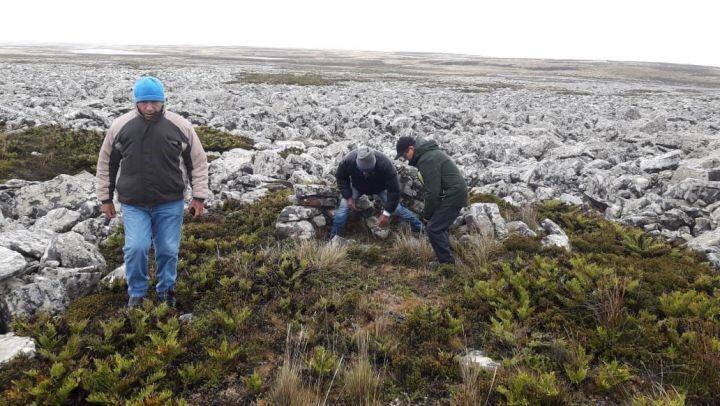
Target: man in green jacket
column 445, row 191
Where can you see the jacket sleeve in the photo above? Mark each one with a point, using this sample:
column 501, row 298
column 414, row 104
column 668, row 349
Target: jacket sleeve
column 197, row 166
column 392, row 185
column 107, row 167
column 430, row 176
column 342, row 176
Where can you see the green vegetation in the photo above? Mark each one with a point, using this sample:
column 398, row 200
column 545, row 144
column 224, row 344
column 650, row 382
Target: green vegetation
column 292, row 150
column 41, row 153
column 305, row 79
column 623, row 319
column 215, row 140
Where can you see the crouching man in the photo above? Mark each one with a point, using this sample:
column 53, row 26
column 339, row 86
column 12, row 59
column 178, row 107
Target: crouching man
column 365, row 171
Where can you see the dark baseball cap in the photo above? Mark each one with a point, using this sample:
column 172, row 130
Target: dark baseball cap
column 403, row 143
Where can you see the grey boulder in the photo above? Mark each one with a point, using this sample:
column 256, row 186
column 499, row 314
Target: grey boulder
column 66, row 191
column 298, row 230
column 555, row 237
column 58, row 220
column 46, row 295
column 72, row 251
column 31, row 244
column 11, row 263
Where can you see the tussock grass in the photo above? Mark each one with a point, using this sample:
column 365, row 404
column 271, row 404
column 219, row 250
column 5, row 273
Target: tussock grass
column 411, row 250
column 477, row 250
column 289, row 389
column 322, row 255
column 470, row 391
column 528, row 214
column 361, row 382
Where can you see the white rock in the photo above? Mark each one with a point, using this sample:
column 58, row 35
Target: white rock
column 476, row 358
column 299, row 230
column 11, row 263
column 556, row 236
column 12, row 346
column 58, row 220
column 663, row 162
column 118, row 274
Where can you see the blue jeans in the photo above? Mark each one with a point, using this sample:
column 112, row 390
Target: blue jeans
column 343, row 211
column 161, row 225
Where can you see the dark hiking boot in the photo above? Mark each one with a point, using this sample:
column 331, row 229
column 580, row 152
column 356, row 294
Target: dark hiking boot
column 169, row 298
column 135, row 301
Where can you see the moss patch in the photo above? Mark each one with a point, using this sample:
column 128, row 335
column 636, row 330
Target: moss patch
column 215, row 140
column 41, row 153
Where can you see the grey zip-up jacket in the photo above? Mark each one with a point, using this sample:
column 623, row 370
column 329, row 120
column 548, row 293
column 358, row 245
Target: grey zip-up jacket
column 150, row 162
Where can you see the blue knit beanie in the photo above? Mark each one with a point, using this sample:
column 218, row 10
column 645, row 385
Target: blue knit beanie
column 148, row 88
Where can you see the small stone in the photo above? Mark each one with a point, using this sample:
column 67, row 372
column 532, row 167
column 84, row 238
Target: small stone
column 476, row 358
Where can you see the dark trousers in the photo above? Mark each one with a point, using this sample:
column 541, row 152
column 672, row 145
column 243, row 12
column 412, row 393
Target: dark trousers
column 437, row 232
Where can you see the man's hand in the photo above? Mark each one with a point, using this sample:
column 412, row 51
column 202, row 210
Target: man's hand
column 196, row 208
column 108, row 209
column 383, row 220
column 351, row 203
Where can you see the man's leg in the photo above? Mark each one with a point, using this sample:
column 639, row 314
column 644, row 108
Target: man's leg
column 404, row 213
column 341, row 214
column 167, row 219
column 437, row 232
column 137, row 226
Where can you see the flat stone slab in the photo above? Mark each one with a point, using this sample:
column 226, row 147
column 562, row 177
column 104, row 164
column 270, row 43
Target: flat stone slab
column 12, row 346
column 11, row 263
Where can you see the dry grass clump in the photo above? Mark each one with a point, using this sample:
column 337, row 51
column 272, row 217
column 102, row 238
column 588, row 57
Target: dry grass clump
column 476, row 250
column 361, row 382
column 289, row 388
column 411, row 250
column 321, row 255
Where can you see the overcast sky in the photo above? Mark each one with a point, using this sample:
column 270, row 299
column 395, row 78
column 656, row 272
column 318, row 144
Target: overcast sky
column 630, row 30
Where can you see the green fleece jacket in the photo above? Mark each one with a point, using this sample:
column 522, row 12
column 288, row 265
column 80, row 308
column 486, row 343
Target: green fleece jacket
column 444, row 184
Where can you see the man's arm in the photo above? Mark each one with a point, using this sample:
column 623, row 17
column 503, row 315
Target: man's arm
column 198, row 173
column 107, row 168
column 392, row 185
column 342, row 177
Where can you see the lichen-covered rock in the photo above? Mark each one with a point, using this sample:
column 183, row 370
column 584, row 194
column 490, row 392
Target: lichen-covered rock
column 45, row 294
column 78, row 282
column 520, row 228
column 477, row 219
column 11, row 263
column 58, row 220
column 72, row 251
column 71, row 192
column 664, row 162
column 29, row 243
column 555, row 235
column 297, row 213
column 297, row 230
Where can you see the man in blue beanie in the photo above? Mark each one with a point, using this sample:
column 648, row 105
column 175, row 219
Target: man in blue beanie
column 149, row 156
